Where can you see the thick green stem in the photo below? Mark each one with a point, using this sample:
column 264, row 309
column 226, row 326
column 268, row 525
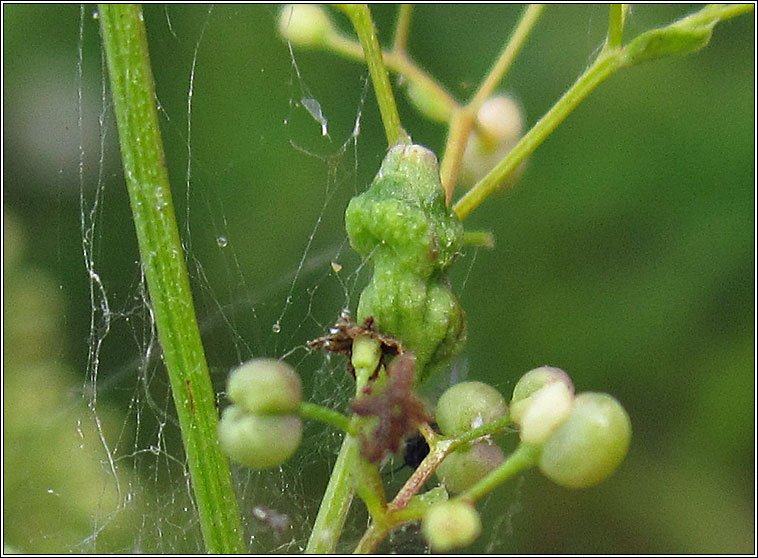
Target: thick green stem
column 133, row 89
column 360, row 16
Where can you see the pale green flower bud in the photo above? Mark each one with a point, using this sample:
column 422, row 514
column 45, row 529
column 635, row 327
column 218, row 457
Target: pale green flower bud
column 463, row 468
column 589, row 445
column 530, row 383
column 468, row 405
column 265, row 386
column 450, row 525
column 547, row 410
column 258, row 441
column 499, row 126
column 306, row 25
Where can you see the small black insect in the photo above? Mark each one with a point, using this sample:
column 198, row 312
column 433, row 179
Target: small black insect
column 416, row 449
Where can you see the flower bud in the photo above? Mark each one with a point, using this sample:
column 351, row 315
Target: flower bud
column 548, row 408
column 450, row 525
column 499, row 126
column 258, row 441
column 463, row 468
column 306, row 25
column 468, row 405
column 265, row 386
column 590, row 443
column 530, row 383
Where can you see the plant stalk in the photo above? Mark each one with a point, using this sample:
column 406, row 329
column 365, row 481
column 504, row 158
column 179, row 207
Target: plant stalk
column 360, row 16
column 133, row 88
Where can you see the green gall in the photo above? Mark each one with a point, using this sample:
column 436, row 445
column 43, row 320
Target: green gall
column 465, row 467
column 258, row 441
column 468, row 405
column 548, row 409
column 306, row 25
column 451, row 524
column 530, row 383
column 589, row 445
column 265, row 386
column 402, row 225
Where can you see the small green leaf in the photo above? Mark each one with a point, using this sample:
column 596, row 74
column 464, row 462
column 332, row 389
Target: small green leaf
column 668, row 41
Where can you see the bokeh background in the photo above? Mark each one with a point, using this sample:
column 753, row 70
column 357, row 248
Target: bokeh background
column 625, row 255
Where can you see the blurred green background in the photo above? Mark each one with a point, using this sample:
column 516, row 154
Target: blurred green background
column 625, row 255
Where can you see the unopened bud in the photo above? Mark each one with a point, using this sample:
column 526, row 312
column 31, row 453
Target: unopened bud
column 306, row 25
column 589, row 445
column 265, row 386
column 450, row 525
column 499, row 126
column 530, row 383
column 548, row 408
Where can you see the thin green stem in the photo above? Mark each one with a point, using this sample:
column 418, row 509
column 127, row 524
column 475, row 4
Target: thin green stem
column 603, row 67
column 479, row 239
column 398, row 62
column 402, row 28
column 360, row 16
column 131, row 78
column 341, row 487
column 607, row 63
column 524, row 457
column 508, row 55
column 328, row 416
column 485, row 430
column 462, row 120
column 616, row 19
column 716, row 12
column 337, row 500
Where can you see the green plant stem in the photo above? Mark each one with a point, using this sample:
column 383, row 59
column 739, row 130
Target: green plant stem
column 328, row 416
column 360, row 16
column 524, row 457
column 397, row 514
column 402, row 28
column 606, row 64
column 508, row 55
column 602, row 68
column 131, row 78
column 341, row 487
column 463, row 119
column 616, row 25
column 716, row 12
column 398, row 62
column 479, row 239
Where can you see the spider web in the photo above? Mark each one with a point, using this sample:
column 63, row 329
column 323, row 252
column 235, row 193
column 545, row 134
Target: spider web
column 247, row 306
